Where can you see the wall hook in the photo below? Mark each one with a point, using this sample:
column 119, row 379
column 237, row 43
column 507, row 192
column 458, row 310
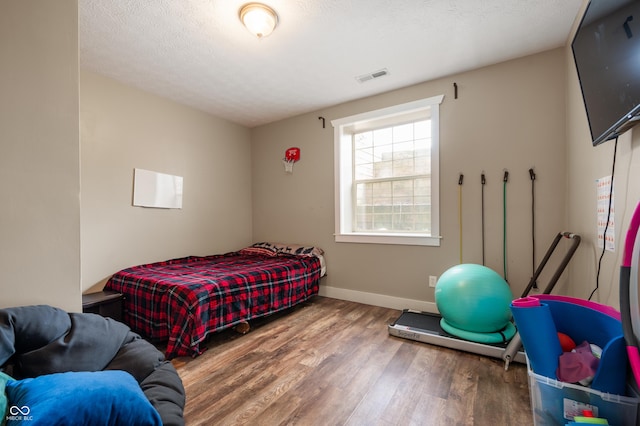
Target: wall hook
column 321, row 118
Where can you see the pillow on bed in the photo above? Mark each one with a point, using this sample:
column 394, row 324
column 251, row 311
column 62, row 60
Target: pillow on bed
column 298, row 250
column 98, row 398
column 293, row 249
column 263, row 251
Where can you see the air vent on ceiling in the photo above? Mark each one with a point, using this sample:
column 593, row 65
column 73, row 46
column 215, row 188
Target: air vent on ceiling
column 373, row 75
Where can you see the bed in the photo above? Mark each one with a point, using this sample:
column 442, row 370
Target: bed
column 182, row 301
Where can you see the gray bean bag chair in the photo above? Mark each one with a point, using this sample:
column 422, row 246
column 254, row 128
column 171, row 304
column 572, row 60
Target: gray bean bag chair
column 38, row 341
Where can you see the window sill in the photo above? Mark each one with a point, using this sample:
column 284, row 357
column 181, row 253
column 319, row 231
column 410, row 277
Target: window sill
column 398, row 239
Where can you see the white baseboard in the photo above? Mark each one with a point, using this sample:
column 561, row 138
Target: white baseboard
column 377, row 299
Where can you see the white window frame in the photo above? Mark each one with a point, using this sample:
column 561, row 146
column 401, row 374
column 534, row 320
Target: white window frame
column 343, row 164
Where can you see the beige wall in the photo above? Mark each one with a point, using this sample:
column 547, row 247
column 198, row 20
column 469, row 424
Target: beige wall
column 585, row 164
column 508, row 116
column 39, row 154
column 516, row 115
column 123, row 128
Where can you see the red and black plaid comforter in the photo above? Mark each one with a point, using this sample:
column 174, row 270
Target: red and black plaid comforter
column 181, row 301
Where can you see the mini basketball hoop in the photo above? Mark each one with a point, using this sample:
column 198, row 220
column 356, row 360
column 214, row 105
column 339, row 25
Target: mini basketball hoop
column 288, row 165
column 291, row 155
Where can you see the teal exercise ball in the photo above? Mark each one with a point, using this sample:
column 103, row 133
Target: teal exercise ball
column 474, row 298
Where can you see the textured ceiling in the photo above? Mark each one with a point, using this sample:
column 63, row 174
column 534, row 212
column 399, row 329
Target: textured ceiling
column 198, row 53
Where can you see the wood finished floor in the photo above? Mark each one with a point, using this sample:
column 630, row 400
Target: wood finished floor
column 332, row 362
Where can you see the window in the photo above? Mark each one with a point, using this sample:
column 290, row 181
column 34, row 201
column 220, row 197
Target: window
column 386, row 174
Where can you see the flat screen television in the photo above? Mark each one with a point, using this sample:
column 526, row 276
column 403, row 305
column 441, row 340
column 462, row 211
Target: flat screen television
column 606, row 50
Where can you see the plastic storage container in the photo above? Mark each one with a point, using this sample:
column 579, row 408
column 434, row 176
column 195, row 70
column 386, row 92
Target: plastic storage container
column 582, row 320
column 556, row 403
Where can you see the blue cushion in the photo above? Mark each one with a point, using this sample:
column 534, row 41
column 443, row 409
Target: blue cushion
column 80, row 398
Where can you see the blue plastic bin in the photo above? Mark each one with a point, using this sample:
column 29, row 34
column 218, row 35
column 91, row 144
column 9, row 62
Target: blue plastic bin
column 556, row 403
column 582, row 321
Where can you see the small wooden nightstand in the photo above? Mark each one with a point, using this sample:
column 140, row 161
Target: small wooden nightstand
column 106, row 303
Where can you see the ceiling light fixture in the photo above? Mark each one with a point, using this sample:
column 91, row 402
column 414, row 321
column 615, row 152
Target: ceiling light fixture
column 259, row 19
